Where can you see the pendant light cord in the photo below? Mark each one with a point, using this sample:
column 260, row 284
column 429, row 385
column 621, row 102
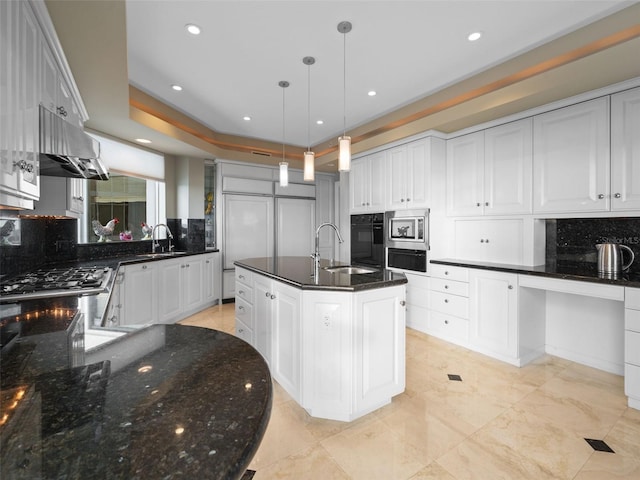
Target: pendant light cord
column 308, row 107
column 344, row 83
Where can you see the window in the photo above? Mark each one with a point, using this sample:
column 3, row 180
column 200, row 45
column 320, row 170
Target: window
column 130, row 200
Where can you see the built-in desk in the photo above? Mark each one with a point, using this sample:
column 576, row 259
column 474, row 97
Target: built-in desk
column 566, row 311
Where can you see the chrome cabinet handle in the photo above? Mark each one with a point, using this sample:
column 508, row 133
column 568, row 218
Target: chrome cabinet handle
column 241, row 292
column 61, row 111
column 446, row 300
column 481, row 240
column 267, row 294
column 402, row 303
column 144, row 267
column 510, row 287
column 617, row 195
column 402, row 200
column 446, row 322
column 446, row 273
column 240, row 307
column 486, row 240
column 272, row 297
column 486, row 204
column 446, row 287
column 477, row 204
column 241, row 277
column 408, row 199
column 600, row 196
column 240, row 330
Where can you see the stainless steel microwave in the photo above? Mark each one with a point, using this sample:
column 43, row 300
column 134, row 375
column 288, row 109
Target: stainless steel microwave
column 407, row 229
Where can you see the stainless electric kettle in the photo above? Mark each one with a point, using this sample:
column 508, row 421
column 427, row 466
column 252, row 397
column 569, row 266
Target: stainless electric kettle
column 610, row 257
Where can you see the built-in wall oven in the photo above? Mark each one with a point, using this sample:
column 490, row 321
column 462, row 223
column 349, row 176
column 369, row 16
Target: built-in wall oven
column 407, row 239
column 367, row 239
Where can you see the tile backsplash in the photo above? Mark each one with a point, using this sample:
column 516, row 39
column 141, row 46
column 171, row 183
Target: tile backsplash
column 573, row 240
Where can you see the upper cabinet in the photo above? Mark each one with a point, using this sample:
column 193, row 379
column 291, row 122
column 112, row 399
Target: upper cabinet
column 625, row 150
column 408, row 175
column 367, row 184
column 489, row 172
column 571, row 159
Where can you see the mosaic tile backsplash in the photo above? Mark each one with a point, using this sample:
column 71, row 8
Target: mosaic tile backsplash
column 573, row 240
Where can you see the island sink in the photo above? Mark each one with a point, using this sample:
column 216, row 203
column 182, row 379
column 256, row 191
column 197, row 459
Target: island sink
column 350, row 270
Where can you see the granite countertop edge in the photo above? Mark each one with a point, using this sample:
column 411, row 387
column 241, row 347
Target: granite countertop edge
column 549, row 270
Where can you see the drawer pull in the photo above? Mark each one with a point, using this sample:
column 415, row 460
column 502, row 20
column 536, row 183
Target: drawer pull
column 240, row 330
column 510, row 287
column 272, row 297
column 241, row 292
column 267, row 294
column 144, row 267
column 446, row 273
column 402, row 303
column 446, row 322
column 241, row 277
column 446, row 287
column 617, row 195
column 446, row 300
column 241, row 308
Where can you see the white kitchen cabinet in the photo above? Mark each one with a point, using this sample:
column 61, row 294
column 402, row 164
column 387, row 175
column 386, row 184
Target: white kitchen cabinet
column 379, row 343
column 498, row 241
column 244, row 305
column 417, row 301
column 140, row 286
column 367, row 184
column 353, row 351
column 449, row 304
column 63, row 196
column 19, row 140
column 632, row 346
column 295, row 226
column 493, row 314
column 211, row 272
column 408, row 174
column 489, row 172
column 571, row 159
column 276, row 320
column 625, row 150
column 181, row 287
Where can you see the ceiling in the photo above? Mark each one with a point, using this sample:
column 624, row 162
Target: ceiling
column 415, row 54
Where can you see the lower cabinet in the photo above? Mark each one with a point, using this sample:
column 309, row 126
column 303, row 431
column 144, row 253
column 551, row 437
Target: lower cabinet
column 493, row 314
column 140, row 299
column 162, row 291
column 339, row 355
column 632, row 346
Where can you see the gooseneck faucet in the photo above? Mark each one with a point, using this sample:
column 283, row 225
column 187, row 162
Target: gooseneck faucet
column 155, row 244
column 316, row 255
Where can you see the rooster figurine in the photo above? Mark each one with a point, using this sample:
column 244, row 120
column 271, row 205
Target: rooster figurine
column 104, row 231
column 146, row 231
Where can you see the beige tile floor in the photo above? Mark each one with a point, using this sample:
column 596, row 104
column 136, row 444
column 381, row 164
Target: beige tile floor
column 500, row 422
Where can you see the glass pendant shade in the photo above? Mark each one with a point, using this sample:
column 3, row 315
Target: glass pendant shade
column 284, row 174
column 309, row 166
column 344, row 154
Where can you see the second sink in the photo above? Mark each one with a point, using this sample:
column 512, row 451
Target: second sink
column 351, row 270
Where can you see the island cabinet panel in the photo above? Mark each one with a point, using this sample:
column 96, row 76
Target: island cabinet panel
column 380, row 345
column 326, row 343
column 244, row 305
column 285, row 325
column 632, row 346
column 140, row 294
column 169, row 300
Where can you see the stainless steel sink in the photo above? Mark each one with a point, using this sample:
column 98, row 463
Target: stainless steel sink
column 350, row 270
column 161, row 254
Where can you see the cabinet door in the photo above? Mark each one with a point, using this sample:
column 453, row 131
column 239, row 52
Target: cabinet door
column 397, row 175
column 140, row 294
column 8, row 80
column 419, row 176
column 500, row 241
column 169, row 300
column 625, row 150
column 209, row 272
column 359, row 185
column 508, row 168
column 377, row 182
column 262, row 315
column 295, row 226
column 380, row 346
column 465, row 175
column 285, row 360
column 75, row 191
column 571, row 158
column 493, row 315
column 192, row 288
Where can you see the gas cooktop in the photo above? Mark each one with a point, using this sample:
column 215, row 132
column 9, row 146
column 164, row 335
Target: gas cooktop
column 55, row 282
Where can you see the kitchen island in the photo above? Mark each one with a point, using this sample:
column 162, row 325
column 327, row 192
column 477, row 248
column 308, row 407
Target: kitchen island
column 148, row 404
column 334, row 341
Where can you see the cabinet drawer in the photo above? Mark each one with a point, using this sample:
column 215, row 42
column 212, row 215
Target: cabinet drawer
column 244, row 292
column 244, row 312
column 243, row 275
column 632, row 347
column 449, row 272
column 448, row 327
column 449, row 304
column 244, row 332
column 450, row 286
column 632, row 381
column 632, row 320
column 632, row 298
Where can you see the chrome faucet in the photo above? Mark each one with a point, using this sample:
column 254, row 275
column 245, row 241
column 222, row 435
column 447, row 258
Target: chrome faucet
column 316, row 255
column 155, row 244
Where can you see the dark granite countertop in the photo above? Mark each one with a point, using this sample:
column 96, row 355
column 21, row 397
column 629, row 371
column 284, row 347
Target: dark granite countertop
column 298, row 272
column 585, row 272
column 166, row 401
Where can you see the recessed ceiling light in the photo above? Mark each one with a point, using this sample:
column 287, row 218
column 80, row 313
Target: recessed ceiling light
column 246, row 118
column 320, row 122
column 142, row 140
column 372, row 93
column 192, row 29
column 474, row 36
column 177, row 88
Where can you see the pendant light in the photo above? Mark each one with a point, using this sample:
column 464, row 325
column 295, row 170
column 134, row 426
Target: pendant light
column 284, row 166
column 344, row 142
column 309, row 156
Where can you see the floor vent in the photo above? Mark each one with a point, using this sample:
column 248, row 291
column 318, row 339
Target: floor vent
column 599, row 445
column 455, row 378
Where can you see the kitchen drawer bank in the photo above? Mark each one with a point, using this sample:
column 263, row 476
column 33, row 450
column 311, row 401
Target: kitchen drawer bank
column 517, row 313
column 150, row 289
column 335, row 343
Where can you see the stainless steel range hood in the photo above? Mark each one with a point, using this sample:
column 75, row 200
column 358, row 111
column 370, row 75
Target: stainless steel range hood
column 67, row 151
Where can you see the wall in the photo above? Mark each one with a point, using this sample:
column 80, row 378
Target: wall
column 189, row 177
